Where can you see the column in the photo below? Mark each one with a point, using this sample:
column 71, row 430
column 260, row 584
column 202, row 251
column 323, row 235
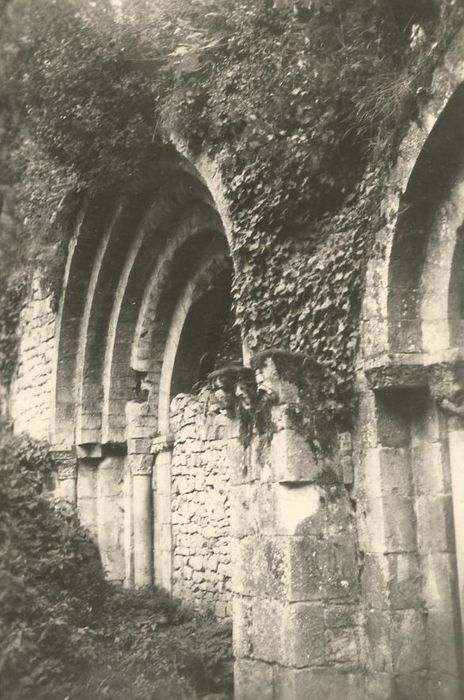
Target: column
column 162, row 555
column 456, row 457
column 140, row 463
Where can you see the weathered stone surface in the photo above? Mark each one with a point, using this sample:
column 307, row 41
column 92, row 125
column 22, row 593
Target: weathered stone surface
column 317, row 684
column 408, row 641
column 242, row 627
column 199, row 477
column 404, row 580
column 266, row 635
column 253, row 679
column 303, row 642
column 292, row 458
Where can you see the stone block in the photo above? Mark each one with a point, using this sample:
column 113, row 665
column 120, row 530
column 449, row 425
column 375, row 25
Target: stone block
column 92, row 421
column 441, row 686
column 87, row 509
column 408, row 641
column 407, row 336
column 404, row 580
column 443, row 638
column 342, row 647
column 393, row 423
column 380, row 686
column 267, row 634
column 317, row 684
column 242, row 627
column 341, row 616
column 87, row 436
column 372, row 526
column 395, row 475
column 196, row 562
column 399, row 524
column 139, row 445
column 440, row 580
column 411, row 685
column 297, row 510
column 272, row 566
column 302, row 637
column 307, row 570
column 259, row 566
column 378, row 624
column 435, row 524
column 342, row 569
column 430, row 468
column 292, row 458
column 86, row 480
column 243, row 519
column 91, row 450
column 253, row 680
column 213, row 562
column 110, row 477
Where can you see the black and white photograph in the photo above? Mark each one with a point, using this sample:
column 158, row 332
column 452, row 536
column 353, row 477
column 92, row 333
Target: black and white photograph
column 231, row 349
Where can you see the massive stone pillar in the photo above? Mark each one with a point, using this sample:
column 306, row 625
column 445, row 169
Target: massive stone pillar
column 410, row 519
column 295, row 566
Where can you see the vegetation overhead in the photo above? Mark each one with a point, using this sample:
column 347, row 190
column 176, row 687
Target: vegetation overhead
column 302, row 105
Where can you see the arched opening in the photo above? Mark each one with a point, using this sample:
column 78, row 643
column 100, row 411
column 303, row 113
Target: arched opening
column 425, row 261
column 413, row 465
column 146, row 315
column 207, row 338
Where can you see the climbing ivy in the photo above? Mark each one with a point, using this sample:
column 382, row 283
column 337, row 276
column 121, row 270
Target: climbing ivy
column 302, row 106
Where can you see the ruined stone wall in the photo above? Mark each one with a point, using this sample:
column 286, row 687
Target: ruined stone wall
column 200, row 506
column 296, row 569
column 31, row 392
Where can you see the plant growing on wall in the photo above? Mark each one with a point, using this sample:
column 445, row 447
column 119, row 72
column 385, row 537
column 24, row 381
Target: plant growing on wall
column 302, row 106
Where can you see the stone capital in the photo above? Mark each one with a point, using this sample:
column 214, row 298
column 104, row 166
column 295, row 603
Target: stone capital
column 65, row 463
column 162, row 443
column 447, row 387
column 67, row 470
column 141, row 465
column 286, row 377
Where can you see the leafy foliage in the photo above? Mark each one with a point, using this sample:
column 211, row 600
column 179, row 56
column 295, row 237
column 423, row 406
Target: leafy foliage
column 302, row 107
column 65, row 631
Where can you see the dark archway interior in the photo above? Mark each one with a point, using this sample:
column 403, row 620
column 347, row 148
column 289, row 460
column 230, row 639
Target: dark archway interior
column 208, row 339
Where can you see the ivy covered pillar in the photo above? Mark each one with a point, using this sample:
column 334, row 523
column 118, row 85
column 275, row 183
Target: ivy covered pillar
column 140, row 467
column 297, row 626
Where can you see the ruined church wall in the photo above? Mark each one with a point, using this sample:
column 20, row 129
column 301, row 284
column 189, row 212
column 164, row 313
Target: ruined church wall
column 30, row 404
column 200, row 506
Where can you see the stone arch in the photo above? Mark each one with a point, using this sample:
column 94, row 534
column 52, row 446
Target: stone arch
column 425, row 261
column 139, row 264
column 412, row 517
column 148, row 261
column 215, row 261
column 116, row 241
